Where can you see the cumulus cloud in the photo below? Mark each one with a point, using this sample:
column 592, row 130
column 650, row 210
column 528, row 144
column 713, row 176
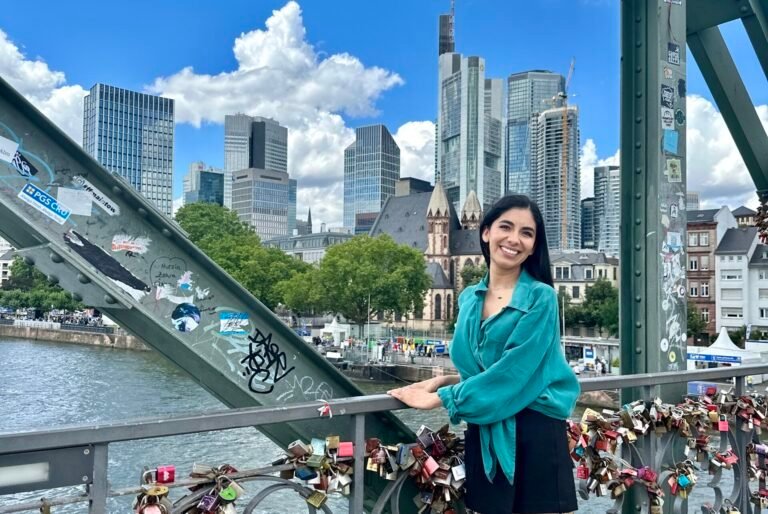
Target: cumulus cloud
column 416, row 140
column 715, row 167
column 280, row 75
column 43, row 87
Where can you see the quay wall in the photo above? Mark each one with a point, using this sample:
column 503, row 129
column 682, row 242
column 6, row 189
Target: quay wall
column 123, row 341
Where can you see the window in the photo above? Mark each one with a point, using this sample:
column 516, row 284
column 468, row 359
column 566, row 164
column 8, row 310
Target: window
column 763, row 274
column 704, row 239
column 561, row 290
column 576, row 292
column 705, row 289
column 763, row 313
column 704, row 261
column 588, row 273
column 762, row 294
column 562, row 272
column 693, row 239
column 693, row 264
column 730, row 258
column 731, row 294
column 705, row 314
column 732, row 312
column 694, row 289
column 730, row 274
column 738, row 258
column 600, row 273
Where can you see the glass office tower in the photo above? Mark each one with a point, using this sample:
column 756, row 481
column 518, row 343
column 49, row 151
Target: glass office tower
column 371, row 170
column 608, row 209
column 261, row 199
column 528, row 94
column 131, row 134
column 203, row 183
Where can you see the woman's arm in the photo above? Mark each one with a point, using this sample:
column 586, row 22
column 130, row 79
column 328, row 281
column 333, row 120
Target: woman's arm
column 423, row 395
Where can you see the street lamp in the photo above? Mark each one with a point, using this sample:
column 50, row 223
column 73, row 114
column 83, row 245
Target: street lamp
column 368, row 337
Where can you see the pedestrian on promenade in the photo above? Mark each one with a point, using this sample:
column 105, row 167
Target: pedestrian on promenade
column 515, row 389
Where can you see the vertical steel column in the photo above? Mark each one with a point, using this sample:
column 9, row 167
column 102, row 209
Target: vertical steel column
column 653, row 117
column 358, row 489
column 98, row 488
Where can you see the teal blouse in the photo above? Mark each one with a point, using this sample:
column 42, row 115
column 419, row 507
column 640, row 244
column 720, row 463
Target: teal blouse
column 509, row 362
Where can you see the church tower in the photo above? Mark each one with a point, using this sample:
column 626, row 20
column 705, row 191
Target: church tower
column 472, row 213
column 439, row 231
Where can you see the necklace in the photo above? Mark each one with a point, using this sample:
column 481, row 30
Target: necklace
column 496, row 293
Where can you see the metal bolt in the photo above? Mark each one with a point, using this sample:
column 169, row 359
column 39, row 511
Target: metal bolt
column 166, row 232
column 638, row 44
column 639, row 94
column 86, row 451
column 638, row 144
column 638, row 170
column 142, row 212
column 638, row 324
column 55, row 257
column 53, row 279
column 638, row 350
column 638, row 69
column 638, row 273
column 638, row 299
column 744, row 9
column 85, row 478
column 109, row 299
column 638, row 196
column 637, row 221
column 638, row 247
column 638, row 508
column 638, row 19
column 117, row 190
column 639, row 119
column 83, row 279
column 76, row 297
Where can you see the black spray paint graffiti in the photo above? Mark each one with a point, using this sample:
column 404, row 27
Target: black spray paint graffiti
column 265, row 364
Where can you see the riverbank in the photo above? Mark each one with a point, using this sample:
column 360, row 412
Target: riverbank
column 381, row 372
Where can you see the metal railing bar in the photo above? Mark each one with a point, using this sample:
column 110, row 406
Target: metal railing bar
column 98, row 488
column 35, row 505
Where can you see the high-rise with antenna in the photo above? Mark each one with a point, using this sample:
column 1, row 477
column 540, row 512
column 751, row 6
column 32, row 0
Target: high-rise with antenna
column 446, row 41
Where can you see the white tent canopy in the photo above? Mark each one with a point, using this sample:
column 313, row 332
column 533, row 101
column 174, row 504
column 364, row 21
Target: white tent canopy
column 721, row 351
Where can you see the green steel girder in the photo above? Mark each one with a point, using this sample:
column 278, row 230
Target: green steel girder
column 716, row 64
column 116, row 251
column 756, row 26
column 703, row 14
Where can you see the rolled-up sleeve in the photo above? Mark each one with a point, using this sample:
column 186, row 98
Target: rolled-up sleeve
column 515, row 380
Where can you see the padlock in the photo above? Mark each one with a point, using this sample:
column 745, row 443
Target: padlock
column 318, row 446
column 346, row 449
column 317, row 499
column 458, row 470
column 582, row 471
column 299, row 449
column 165, row 474
column 442, row 477
column 722, row 424
column 304, row 473
column 227, row 508
column 208, row 502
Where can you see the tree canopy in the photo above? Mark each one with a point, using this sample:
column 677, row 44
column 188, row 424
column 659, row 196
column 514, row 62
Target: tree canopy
column 27, row 288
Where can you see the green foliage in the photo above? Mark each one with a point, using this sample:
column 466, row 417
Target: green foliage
column 393, row 276
column 27, row 288
column 235, row 247
column 696, row 325
column 600, row 308
column 470, row 275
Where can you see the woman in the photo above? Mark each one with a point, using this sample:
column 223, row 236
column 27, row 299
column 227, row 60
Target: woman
column 515, row 389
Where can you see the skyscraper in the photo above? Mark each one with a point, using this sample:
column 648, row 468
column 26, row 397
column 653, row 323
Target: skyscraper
column 292, row 191
column 131, row 134
column 692, row 201
column 203, row 183
column 608, row 209
column 588, row 235
column 261, row 199
column 555, row 175
column 528, row 94
column 371, row 169
column 252, row 142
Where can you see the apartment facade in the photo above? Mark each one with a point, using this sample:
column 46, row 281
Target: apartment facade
column 737, row 291
column 576, row 271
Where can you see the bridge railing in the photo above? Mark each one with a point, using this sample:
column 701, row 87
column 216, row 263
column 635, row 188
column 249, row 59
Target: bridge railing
column 78, row 455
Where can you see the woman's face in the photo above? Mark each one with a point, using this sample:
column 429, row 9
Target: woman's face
column 511, row 238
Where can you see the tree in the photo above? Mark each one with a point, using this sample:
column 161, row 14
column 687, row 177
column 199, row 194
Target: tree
column 470, row 275
column 27, row 288
column 235, row 247
column 393, row 276
column 696, row 324
column 601, row 306
column 24, row 277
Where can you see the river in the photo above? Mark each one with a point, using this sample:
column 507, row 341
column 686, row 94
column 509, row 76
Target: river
column 44, row 385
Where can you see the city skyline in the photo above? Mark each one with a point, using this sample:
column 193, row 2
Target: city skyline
column 335, row 75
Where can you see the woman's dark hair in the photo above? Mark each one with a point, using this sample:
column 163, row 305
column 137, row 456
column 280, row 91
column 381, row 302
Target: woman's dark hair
column 537, row 264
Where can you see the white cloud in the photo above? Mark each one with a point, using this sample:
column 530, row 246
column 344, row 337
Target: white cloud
column 416, row 140
column 44, row 87
column 280, row 75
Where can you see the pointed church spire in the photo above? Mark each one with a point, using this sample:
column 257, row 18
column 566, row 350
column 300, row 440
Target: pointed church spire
column 472, row 213
column 438, row 202
column 309, row 219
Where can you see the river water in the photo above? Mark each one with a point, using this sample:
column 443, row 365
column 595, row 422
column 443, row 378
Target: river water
column 45, row 385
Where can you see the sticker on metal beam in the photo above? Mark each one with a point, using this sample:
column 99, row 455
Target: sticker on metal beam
column 45, row 203
column 7, row 149
column 99, row 198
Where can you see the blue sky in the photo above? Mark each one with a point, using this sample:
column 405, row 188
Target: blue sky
column 390, row 46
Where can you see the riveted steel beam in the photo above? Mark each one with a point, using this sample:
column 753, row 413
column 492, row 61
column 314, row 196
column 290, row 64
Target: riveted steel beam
column 756, row 26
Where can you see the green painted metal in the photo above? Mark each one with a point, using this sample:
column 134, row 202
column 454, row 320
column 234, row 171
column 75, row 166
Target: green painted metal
column 756, row 26
column 703, row 14
column 730, row 94
column 653, row 289
column 116, row 251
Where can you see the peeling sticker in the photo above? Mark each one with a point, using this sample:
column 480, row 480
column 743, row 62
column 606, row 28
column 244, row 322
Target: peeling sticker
column 667, row 96
column 23, row 166
column 680, row 117
column 673, row 53
column 671, row 138
column 673, row 210
column 681, row 88
column 185, row 282
column 79, row 200
column 185, row 317
column 672, row 356
column 7, row 149
column 667, row 72
column 664, row 345
column 99, row 198
column 44, row 203
column 126, row 243
column 674, row 241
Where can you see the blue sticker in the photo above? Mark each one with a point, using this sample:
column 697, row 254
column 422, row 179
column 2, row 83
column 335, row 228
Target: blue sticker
column 44, row 203
column 233, row 323
column 670, row 141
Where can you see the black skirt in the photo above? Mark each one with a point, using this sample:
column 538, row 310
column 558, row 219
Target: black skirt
column 544, row 479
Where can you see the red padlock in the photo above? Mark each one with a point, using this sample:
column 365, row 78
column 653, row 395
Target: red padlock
column 166, row 474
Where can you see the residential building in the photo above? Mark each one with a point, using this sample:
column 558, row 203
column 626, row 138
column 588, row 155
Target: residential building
column 131, row 134
column 371, row 170
column 692, row 201
column 735, row 287
column 203, row 183
column 574, row 271
column 309, row 248
column 528, row 94
column 469, row 143
column 4, row 246
column 409, row 185
column 705, row 229
column 261, row 199
column 588, row 232
column 6, row 259
column 607, row 181
column 745, row 216
column 555, row 178
column 428, row 222
column 252, row 142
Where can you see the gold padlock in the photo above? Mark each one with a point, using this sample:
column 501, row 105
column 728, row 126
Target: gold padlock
column 317, row 499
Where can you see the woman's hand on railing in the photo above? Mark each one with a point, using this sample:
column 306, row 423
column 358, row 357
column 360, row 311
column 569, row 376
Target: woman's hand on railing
column 416, row 397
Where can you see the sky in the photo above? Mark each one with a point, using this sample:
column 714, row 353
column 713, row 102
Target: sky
column 323, row 68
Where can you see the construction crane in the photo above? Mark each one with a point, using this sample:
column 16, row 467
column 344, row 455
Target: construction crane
column 564, row 157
